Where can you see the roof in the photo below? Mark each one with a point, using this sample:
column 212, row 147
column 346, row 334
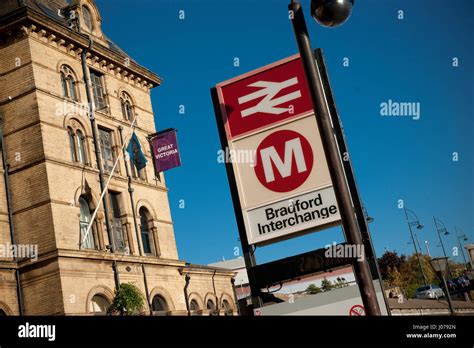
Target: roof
column 51, row 8
column 230, row 264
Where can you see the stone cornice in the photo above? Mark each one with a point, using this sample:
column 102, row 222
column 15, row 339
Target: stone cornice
column 54, row 33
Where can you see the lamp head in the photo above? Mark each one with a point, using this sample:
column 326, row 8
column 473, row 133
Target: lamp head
column 419, row 226
column 331, row 13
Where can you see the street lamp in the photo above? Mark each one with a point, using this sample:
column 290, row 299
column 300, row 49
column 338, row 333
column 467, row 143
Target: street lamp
column 415, row 222
column 427, row 248
column 441, row 228
column 368, row 218
column 461, row 237
column 332, row 13
column 441, row 267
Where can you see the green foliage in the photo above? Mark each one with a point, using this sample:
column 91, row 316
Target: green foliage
column 326, row 285
column 313, row 289
column 405, row 272
column 389, row 261
column 128, row 299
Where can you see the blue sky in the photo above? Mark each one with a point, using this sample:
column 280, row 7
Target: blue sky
column 408, row 60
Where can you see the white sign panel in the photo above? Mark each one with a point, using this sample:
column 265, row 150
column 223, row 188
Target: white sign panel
column 299, row 213
column 267, row 116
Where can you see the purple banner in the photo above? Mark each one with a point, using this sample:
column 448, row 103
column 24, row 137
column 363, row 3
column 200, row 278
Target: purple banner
column 165, row 151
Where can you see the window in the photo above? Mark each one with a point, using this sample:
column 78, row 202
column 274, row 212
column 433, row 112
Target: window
column 98, row 90
column 106, row 149
column 127, row 106
column 77, row 145
column 159, row 304
column 226, row 307
column 145, row 230
column 81, row 155
column 86, row 14
column 68, row 83
column 84, row 221
column 194, row 306
column 210, row 305
column 2, row 313
column 72, row 144
column 117, row 228
column 99, row 304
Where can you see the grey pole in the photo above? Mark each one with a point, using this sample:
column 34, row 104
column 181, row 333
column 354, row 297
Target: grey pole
column 414, row 245
column 6, row 169
column 427, row 248
column 460, row 246
column 349, row 222
column 442, row 244
column 448, row 296
column 132, row 203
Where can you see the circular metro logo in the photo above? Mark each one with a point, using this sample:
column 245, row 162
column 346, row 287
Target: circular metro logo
column 284, row 161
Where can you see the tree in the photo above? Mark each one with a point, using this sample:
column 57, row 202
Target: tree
column 326, row 285
column 390, row 259
column 128, row 299
column 394, row 278
column 313, row 289
column 341, row 282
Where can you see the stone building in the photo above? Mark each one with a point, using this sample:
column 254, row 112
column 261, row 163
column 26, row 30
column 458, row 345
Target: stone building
column 52, row 187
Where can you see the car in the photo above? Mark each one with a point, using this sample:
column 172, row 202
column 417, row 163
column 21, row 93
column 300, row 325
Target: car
column 451, row 285
column 461, row 282
column 431, row 291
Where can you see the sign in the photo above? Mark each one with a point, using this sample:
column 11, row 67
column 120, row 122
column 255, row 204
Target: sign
column 268, row 118
column 265, row 96
column 357, row 311
column 165, row 151
column 290, row 216
column 275, row 157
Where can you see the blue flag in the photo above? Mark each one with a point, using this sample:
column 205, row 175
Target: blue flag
column 135, row 151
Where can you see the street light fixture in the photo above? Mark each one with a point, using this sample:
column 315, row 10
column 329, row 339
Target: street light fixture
column 332, row 13
column 461, row 238
column 441, row 267
column 415, row 222
column 441, row 228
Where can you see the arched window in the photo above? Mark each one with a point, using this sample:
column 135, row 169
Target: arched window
column 87, row 242
column 68, row 82
column 87, row 15
column 127, row 106
column 81, row 155
column 2, row 313
column 99, row 304
column 210, row 305
column 226, row 307
column 159, row 304
column 145, row 230
column 77, row 144
column 72, row 144
column 193, row 305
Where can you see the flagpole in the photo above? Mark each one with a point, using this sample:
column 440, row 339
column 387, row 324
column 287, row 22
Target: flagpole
column 134, row 215
column 96, row 210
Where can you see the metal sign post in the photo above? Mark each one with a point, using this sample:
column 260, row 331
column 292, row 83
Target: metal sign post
column 343, row 195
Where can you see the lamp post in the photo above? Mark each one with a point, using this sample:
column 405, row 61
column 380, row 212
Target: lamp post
column 427, row 248
column 440, row 266
column 332, row 13
column 415, row 223
column 441, row 228
column 461, row 237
